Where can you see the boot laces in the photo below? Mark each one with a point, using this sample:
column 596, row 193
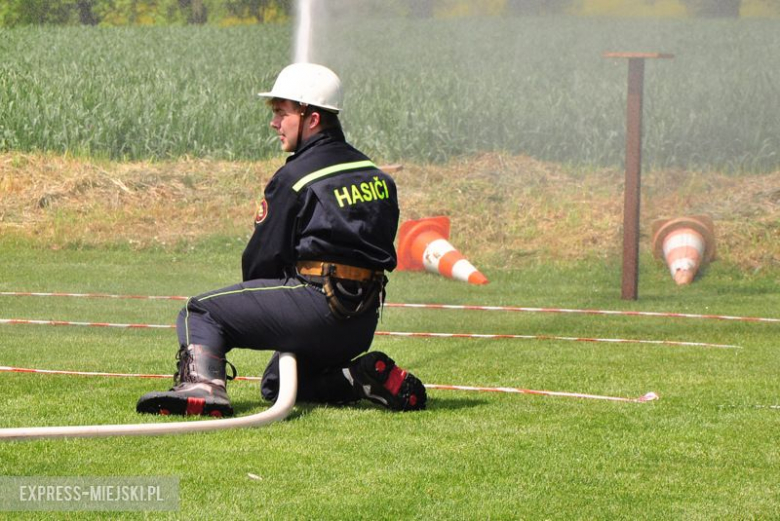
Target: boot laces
column 183, row 359
column 185, row 367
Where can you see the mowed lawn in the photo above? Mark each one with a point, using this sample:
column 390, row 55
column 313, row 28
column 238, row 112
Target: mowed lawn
column 707, row 449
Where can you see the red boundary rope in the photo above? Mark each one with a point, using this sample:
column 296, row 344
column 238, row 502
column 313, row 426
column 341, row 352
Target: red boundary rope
column 515, row 390
column 19, row 321
column 656, row 314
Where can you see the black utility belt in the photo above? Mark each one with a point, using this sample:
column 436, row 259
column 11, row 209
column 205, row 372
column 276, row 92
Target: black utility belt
column 343, row 303
column 322, row 269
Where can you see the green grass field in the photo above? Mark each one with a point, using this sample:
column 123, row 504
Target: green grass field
column 707, row 449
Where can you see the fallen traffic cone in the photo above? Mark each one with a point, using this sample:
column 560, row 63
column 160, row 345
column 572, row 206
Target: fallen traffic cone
column 685, row 244
column 424, row 245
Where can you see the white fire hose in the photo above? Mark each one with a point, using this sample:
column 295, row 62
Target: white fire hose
column 288, row 387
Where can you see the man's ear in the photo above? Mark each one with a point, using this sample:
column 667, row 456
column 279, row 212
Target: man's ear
column 314, row 120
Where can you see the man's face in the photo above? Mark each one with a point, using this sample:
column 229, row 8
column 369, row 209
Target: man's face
column 285, row 121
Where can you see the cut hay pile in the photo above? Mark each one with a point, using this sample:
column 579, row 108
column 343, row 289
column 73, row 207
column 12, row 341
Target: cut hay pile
column 505, row 210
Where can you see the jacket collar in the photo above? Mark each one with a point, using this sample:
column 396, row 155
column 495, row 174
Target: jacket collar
column 327, row 135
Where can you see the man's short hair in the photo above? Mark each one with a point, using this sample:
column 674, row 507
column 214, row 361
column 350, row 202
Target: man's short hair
column 328, row 118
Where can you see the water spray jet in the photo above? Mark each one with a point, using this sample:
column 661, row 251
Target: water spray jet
column 303, row 32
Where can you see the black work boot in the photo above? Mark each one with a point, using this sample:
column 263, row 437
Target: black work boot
column 199, row 386
column 377, row 378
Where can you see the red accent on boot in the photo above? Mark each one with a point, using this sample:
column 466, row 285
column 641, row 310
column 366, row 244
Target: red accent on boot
column 394, row 381
column 195, row 406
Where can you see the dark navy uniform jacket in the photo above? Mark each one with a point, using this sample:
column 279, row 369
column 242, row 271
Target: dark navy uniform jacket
column 329, row 202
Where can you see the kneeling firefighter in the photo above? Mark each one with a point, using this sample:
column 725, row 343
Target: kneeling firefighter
column 313, row 271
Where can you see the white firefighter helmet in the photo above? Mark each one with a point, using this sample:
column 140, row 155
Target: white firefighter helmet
column 308, row 83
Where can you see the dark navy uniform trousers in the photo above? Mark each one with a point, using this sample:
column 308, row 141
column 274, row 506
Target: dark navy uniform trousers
column 282, row 315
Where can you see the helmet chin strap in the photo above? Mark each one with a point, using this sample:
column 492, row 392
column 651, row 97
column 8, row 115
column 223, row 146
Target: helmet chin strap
column 304, row 110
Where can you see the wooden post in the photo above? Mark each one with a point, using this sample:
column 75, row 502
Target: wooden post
column 631, row 203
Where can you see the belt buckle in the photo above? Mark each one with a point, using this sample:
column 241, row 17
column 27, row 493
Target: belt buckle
column 328, row 269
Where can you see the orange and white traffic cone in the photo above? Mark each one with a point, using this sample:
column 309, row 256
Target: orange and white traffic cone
column 424, row 245
column 685, row 244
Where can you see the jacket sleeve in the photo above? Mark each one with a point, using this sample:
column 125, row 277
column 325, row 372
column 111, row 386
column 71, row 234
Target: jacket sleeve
column 271, row 248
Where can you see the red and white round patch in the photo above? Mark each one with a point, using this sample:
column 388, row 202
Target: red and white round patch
column 262, row 212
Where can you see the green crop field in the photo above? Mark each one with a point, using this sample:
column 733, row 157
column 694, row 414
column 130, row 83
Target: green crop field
column 416, row 90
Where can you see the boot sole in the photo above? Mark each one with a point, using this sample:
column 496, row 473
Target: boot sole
column 389, row 385
column 169, row 403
